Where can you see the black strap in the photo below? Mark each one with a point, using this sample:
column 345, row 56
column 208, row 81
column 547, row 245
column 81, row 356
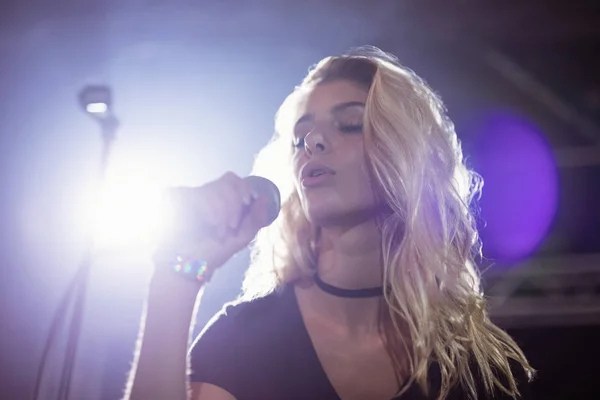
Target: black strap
column 350, row 293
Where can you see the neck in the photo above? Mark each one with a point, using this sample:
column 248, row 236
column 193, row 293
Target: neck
column 350, row 259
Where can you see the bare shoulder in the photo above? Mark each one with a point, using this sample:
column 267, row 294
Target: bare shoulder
column 206, row 391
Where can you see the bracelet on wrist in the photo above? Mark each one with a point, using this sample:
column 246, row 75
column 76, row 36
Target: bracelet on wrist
column 188, row 268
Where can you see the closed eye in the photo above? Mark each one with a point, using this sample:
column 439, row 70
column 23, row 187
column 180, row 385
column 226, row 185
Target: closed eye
column 298, row 142
column 354, row 128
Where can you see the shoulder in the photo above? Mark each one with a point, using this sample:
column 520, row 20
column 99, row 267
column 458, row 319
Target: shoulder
column 246, row 314
column 237, row 339
column 240, row 316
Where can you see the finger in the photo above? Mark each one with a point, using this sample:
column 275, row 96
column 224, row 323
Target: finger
column 248, row 192
column 209, row 207
column 232, row 203
column 238, row 204
column 247, row 195
column 202, row 207
column 221, row 210
column 256, row 219
column 259, row 213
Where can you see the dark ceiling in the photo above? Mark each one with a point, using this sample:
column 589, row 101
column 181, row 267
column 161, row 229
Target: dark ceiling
column 546, row 51
column 556, row 43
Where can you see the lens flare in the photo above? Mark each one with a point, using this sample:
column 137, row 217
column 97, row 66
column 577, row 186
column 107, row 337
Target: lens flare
column 128, row 211
column 520, row 195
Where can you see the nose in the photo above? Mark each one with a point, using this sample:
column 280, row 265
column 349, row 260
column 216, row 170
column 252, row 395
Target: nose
column 315, row 142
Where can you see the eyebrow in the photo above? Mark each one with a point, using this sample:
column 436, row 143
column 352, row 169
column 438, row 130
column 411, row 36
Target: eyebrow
column 335, row 109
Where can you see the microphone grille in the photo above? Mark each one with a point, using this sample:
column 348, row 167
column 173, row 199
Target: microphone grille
column 265, row 187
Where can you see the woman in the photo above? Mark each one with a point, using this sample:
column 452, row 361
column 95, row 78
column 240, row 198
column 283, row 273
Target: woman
column 365, row 285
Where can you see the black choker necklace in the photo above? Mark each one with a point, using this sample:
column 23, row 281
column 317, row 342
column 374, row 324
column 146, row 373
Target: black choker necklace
column 353, row 293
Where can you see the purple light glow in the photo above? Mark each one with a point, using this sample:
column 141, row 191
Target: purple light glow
column 521, row 186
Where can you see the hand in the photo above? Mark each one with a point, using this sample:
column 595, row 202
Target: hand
column 214, row 221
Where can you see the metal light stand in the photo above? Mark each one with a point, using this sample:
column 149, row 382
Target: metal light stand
column 96, row 101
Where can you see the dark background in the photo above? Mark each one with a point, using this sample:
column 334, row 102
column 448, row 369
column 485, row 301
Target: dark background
column 196, row 85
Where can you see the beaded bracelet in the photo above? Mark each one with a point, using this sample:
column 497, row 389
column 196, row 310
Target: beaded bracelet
column 187, row 267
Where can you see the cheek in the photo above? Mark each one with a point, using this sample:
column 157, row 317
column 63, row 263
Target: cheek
column 297, row 161
column 359, row 172
column 364, row 187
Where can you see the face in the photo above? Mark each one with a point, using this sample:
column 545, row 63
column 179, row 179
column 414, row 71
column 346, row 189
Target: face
column 330, row 171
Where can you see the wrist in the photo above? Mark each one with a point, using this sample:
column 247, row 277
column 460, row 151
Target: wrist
column 170, row 285
column 171, row 302
column 185, row 266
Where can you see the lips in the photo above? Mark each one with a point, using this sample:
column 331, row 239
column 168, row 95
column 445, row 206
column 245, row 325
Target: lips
column 315, row 169
column 315, row 174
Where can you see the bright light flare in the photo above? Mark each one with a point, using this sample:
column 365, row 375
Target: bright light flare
column 96, row 108
column 520, row 196
column 128, row 212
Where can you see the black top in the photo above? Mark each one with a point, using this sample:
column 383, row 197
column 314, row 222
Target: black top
column 261, row 350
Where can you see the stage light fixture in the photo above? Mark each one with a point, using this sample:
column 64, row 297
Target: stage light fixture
column 96, row 100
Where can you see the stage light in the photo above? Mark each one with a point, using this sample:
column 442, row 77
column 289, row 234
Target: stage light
column 124, row 210
column 96, row 108
column 96, row 100
column 520, row 196
column 128, row 212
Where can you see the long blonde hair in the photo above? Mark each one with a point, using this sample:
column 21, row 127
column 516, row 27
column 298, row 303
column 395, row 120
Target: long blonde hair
column 435, row 310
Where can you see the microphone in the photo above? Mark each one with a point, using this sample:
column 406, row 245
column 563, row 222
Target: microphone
column 264, row 187
column 183, row 221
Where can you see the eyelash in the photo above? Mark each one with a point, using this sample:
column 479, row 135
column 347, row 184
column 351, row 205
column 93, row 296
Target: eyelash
column 350, row 128
column 298, row 143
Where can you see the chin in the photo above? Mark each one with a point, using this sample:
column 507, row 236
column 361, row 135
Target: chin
column 324, row 216
column 321, row 215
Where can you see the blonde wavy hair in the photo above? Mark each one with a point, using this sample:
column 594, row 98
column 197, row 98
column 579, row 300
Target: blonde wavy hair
column 435, row 310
